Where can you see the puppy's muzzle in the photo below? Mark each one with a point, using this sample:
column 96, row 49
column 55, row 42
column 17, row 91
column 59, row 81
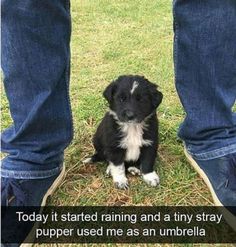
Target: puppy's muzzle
column 129, row 115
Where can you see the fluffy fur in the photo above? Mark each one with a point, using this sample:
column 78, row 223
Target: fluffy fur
column 127, row 137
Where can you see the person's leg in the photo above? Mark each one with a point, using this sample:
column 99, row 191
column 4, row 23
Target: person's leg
column 205, row 70
column 36, row 64
column 205, row 55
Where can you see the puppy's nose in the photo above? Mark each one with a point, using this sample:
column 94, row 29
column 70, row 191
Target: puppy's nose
column 129, row 115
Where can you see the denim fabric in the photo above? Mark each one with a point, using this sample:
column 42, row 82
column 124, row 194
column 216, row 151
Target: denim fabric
column 36, row 65
column 205, row 69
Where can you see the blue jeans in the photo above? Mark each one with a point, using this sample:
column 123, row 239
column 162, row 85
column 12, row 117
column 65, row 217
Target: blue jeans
column 205, row 70
column 36, row 66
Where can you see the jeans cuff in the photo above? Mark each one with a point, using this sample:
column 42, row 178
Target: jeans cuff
column 217, row 153
column 31, row 174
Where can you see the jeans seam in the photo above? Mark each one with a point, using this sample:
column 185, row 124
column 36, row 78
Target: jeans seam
column 67, row 78
column 217, row 153
column 176, row 29
column 30, row 174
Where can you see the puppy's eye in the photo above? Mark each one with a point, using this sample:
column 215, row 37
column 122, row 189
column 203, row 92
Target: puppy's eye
column 138, row 97
column 122, row 98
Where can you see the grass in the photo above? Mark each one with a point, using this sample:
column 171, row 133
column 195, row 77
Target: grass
column 111, row 38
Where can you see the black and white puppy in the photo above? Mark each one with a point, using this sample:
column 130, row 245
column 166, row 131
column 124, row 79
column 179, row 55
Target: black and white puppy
column 127, row 137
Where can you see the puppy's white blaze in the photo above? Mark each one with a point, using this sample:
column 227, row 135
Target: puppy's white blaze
column 134, row 86
column 133, row 140
column 151, row 178
column 117, row 173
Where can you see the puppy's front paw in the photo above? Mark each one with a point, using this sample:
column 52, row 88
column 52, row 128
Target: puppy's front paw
column 118, row 174
column 151, row 179
column 121, row 182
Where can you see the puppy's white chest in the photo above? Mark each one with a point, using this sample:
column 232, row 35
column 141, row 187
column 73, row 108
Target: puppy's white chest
column 132, row 140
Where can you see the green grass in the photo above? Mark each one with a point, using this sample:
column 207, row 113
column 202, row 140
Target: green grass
column 111, row 38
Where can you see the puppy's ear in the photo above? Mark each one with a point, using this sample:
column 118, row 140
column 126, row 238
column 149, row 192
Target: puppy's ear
column 156, row 95
column 109, row 92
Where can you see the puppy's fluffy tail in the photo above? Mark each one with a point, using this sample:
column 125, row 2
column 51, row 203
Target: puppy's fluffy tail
column 97, row 157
